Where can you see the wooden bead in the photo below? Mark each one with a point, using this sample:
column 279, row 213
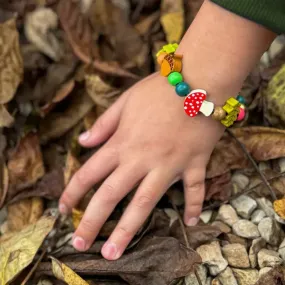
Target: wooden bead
column 219, row 113
column 161, row 57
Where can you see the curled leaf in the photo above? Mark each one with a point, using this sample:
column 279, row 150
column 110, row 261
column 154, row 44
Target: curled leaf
column 39, row 25
column 26, row 162
column 17, row 252
column 64, row 273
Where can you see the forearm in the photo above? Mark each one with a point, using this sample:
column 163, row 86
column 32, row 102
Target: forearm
column 220, row 49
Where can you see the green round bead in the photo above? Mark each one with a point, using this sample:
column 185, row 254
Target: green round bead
column 241, row 99
column 174, row 78
column 182, row 89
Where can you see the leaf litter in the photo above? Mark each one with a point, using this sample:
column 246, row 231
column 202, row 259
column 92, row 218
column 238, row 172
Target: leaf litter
column 60, row 69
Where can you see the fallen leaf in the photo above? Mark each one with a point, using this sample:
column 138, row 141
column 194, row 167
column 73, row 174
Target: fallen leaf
column 64, row 273
column 50, row 187
column 24, row 213
column 4, row 186
column 11, row 62
column 276, row 276
column 25, row 163
column 79, row 34
column 6, row 120
column 193, row 8
column 155, row 260
column 261, row 142
column 72, row 165
column 57, row 124
column 77, row 216
column 172, row 19
column 145, row 25
column 101, row 93
column 39, row 27
column 279, row 207
column 197, row 235
column 90, row 118
column 19, row 251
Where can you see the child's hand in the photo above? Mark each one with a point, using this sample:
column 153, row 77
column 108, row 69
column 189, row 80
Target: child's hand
column 150, row 141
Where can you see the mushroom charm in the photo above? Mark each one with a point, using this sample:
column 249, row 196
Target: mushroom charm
column 196, row 102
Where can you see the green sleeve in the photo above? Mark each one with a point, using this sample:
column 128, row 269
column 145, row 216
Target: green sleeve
column 269, row 13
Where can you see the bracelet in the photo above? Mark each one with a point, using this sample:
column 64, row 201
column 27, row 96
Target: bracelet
column 195, row 101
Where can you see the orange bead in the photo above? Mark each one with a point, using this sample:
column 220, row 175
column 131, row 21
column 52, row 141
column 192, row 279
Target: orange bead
column 161, row 57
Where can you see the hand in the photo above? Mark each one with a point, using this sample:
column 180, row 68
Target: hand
column 150, row 141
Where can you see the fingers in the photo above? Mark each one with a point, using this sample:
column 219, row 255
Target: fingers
column 93, row 171
column 148, row 194
column 194, row 191
column 115, row 187
column 105, row 125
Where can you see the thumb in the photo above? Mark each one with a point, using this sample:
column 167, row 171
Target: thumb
column 105, row 125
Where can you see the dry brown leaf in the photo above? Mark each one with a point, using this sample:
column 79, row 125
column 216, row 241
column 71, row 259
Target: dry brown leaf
column 145, row 25
column 172, row 19
column 101, row 93
column 25, row 164
column 90, row 118
column 279, row 207
column 6, row 120
column 57, row 124
column 24, row 213
column 64, row 273
column 261, row 142
column 18, row 252
column 4, row 183
column 77, row 215
column 11, row 62
column 39, row 27
column 72, row 165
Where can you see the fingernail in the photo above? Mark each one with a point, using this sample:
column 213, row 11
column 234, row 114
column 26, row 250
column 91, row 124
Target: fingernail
column 109, row 250
column 79, row 243
column 63, row 209
column 192, row 222
column 85, row 136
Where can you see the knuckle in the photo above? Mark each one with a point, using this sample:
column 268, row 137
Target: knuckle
column 87, row 225
column 82, row 177
column 195, row 187
column 143, row 201
column 123, row 231
column 109, row 193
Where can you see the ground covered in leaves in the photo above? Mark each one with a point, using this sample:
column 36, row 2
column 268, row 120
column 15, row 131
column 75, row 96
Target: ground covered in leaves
column 62, row 64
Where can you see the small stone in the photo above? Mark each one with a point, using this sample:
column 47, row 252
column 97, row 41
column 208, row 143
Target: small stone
column 281, row 162
column 256, row 246
column 282, row 249
column 263, row 165
column 246, row 276
column 206, row 216
column 227, row 277
column 209, row 281
column 266, row 206
column 231, row 238
column 246, row 229
column 212, row 257
column 244, row 205
column 227, row 214
column 279, row 219
column 257, row 216
column 264, row 270
column 268, row 258
column 241, row 180
column 191, row 278
column 216, row 281
column 222, row 226
column 272, row 247
column 270, row 230
column 236, row 255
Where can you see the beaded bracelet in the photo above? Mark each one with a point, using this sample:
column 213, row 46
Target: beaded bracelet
column 195, row 101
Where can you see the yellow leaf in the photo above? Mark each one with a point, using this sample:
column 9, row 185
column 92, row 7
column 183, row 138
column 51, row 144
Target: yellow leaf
column 77, row 216
column 19, row 251
column 24, row 212
column 71, row 166
column 279, row 207
column 64, row 273
column 11, row 62
column 172, row 19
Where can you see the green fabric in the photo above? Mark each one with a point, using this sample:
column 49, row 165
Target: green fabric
column 269, row 13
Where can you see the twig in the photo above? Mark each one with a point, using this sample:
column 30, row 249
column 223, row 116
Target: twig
column 34, row 267
column 138, row 10
column 180, row 222
column 197, row 276
column 218, row 204
column 265, row 181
